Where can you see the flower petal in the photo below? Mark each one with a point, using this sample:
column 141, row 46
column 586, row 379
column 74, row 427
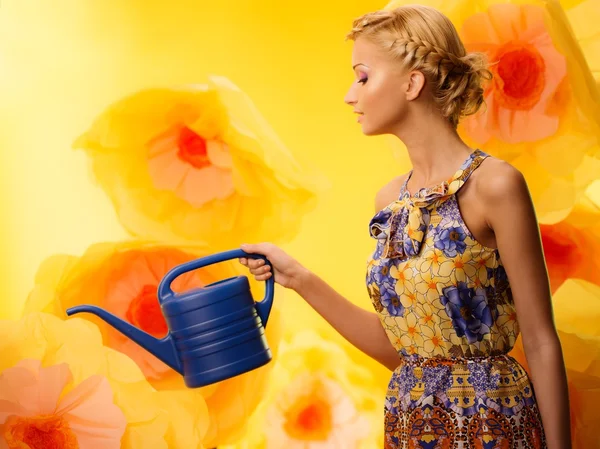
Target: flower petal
column 76, row 344
column 93, row 417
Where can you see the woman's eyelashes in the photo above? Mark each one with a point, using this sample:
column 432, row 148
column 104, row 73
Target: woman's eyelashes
column 362, row 78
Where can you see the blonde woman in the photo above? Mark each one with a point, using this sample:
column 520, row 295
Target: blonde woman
column 458, row 269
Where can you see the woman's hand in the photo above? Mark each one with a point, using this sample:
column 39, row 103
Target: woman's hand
column 288, row 271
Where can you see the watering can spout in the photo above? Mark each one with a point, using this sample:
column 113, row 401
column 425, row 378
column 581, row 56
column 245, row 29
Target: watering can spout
column 163, row 349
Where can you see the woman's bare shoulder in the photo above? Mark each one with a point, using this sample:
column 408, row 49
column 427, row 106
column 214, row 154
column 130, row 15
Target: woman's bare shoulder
column 498, row 179
column 389, row 192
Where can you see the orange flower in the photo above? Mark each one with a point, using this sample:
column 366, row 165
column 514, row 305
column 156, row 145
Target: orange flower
column 572, row 246
column 34, row 413
column 61, row 388
column 198, row 163
column 122, row 278
column 529, row 74
column 319, row 397
column 542, row 108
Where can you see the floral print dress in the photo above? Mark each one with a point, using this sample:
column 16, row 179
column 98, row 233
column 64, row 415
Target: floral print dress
column 445, row 303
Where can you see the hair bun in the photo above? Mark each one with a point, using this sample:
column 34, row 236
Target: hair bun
column 461, row 91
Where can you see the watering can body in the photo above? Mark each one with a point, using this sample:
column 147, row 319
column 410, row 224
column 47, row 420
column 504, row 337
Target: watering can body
column 215, row 332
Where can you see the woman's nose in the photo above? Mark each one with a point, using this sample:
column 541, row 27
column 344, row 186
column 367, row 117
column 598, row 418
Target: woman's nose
column 350, row 97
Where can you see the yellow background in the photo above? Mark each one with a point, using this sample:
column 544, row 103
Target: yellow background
column 62, row 62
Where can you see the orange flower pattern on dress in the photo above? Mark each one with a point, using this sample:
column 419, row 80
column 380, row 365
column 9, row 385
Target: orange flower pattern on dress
column 455, row 386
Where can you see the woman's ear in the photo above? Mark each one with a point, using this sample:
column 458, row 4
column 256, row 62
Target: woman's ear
column 415, row 85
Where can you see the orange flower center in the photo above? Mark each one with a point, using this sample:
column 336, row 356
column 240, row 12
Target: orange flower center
column 560, row 248
column 309, row 419
column 520, row 76
column 144, row 312
column 41, row 432
column 192, row 148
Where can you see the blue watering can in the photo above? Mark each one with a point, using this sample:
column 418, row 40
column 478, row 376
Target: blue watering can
column 215, row 332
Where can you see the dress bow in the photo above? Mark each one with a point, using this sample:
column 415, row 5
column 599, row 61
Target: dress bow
column 402, row 224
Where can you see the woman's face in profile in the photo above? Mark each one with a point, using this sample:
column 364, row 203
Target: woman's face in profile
column 378, row 93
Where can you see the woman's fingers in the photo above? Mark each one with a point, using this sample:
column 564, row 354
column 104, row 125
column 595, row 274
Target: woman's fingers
column 263, row 277
column 251, row 263
column 256, row 263
column 260, row 270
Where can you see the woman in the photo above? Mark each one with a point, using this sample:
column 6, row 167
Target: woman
column 458, row 268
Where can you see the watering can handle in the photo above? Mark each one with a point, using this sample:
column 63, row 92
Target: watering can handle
column 264, row 306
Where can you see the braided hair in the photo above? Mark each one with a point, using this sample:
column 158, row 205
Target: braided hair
column 424, row 39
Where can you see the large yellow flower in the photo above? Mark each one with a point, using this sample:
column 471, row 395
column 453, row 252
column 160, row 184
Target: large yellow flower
column 577, row 313
column 122, row 278
column 198, row 163
column 542, row 111
column 319, row 397
column 61, row 388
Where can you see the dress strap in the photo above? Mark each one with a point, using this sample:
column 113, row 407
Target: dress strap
column 454, row 183
column 404, row 184
column 462, row 174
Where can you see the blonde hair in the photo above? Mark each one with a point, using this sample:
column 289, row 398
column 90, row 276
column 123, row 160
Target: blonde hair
column 424, row 39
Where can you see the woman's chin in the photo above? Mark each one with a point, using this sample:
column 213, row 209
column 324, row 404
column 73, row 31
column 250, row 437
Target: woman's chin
column 370, row 131
column 367, row 128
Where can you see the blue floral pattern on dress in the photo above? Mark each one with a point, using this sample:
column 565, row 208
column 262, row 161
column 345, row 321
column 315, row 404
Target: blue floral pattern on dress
column 390, row 300
column 450, row 240
column 469, row 311
column 445, row 303
column 437, row 379
column 406, row 380
column 481, row 377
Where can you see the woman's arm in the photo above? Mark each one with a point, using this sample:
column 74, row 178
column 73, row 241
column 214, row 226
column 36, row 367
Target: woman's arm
column 360, row 327
column 511, row 215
